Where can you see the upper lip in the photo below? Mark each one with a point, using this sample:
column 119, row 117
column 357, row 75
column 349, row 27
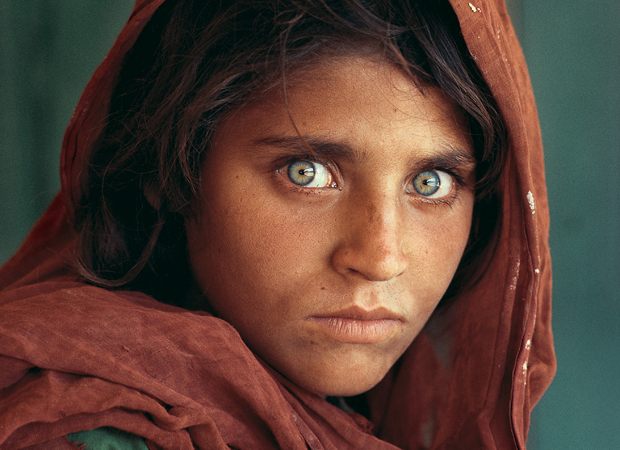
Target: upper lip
column 359, row 313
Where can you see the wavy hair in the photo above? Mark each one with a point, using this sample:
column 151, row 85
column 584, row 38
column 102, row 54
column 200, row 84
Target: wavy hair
column 195, row 62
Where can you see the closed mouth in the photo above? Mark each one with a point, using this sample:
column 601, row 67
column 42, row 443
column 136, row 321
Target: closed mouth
column 356, row 325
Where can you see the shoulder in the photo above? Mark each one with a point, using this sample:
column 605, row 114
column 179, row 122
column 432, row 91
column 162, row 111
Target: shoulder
column 107, row 438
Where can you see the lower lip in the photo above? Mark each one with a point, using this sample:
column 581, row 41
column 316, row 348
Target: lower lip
column 357, row 331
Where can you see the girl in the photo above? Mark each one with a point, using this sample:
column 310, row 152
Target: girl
column 289, row 224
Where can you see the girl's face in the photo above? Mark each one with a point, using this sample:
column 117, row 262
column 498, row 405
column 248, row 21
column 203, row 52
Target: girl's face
column 330, row 261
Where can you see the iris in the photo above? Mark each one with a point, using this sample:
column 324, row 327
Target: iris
column 310, row 174
column 302, row 173
column 427, row 183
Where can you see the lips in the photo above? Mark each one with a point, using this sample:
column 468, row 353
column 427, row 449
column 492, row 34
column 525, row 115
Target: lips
column 356, row 325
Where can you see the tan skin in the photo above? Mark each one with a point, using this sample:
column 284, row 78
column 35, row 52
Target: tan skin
column 330, row 261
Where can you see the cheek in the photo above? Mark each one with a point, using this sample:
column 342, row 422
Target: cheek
column 450, row 239
column 246, row 249
column 439, row 245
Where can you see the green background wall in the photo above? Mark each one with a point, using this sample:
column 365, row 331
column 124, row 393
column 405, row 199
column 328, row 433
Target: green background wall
column 48, row 51
column 573, row 51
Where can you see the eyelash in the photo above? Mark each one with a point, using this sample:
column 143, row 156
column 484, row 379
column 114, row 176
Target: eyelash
column 282, row 169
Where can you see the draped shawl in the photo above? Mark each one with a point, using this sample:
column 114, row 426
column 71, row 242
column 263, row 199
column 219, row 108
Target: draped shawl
column 76, row 357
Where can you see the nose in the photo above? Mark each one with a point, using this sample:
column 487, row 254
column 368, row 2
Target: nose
column 372, row 240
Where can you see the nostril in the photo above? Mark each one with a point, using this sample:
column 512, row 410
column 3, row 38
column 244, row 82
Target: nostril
column 371, row 263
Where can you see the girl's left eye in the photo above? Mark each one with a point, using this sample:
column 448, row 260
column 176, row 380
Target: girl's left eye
column 310, row 174
column 433, row 184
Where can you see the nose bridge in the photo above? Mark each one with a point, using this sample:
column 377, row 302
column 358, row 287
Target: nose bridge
column 380, row 221
column 373, row 246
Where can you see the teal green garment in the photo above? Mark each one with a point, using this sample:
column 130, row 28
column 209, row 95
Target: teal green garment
column 107, row 438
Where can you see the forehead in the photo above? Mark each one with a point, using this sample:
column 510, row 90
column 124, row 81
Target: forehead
column 363, row 102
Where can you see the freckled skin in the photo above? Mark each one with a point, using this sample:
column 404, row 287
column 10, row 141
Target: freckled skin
column 269, row 254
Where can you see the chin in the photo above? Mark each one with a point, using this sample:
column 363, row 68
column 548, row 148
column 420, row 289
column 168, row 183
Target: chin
column 348, row 389
column 348, row 383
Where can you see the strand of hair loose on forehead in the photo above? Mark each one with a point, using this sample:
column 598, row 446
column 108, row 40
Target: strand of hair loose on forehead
column 283, row 41
column 284, row 36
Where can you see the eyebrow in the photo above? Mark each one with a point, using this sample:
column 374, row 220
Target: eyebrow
column 310, row 145
column 446, row 156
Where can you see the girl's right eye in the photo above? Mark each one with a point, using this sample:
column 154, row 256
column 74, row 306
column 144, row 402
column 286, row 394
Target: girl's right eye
column 309, row 174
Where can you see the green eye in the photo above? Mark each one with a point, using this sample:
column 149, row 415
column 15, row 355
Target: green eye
column 309, row 174
column 433, row 183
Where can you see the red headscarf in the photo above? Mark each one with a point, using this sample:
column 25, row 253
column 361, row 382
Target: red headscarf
column 77, row 357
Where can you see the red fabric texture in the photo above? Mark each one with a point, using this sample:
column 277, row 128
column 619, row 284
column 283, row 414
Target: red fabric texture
column 76, row 357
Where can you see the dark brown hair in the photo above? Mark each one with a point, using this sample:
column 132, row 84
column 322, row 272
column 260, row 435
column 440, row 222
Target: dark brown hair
column 197, row 61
